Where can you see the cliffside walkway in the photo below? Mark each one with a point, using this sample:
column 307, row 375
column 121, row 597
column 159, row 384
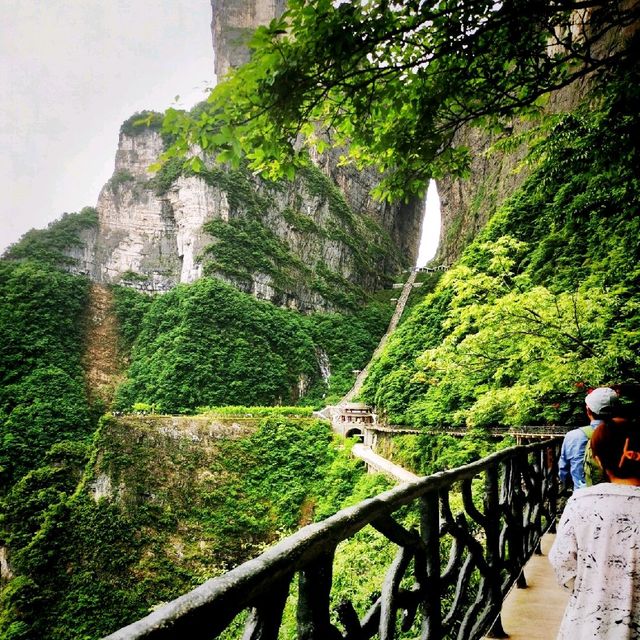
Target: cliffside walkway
column 393, row 323
column 497, row 505
column 535, row 612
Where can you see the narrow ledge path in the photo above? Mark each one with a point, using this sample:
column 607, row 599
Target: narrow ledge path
column 535, row 613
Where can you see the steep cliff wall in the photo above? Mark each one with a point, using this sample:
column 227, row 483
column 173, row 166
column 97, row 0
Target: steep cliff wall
column 232, row 23
column 145, row 238
column 297, row 244
column 294, row 243
column 165, row 504
column 467, row 204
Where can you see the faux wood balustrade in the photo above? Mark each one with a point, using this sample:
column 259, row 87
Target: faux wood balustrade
column 448, row 578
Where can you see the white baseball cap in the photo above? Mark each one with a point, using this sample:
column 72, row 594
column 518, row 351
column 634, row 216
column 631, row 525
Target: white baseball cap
column 601, row 400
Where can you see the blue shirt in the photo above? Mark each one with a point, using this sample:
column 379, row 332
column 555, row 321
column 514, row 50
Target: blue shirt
column 572, row 456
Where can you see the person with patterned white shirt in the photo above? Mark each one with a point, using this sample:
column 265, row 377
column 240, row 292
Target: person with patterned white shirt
column 596, row 553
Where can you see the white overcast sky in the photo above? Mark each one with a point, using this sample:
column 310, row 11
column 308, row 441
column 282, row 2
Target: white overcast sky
column 71, row 71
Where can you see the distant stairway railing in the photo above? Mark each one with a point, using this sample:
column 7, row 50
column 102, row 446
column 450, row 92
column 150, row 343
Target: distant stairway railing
column 448, row 578
column 524, row 431
column 393, row 323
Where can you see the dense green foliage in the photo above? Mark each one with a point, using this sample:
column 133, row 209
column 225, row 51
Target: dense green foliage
column 542, row 304
column 207, row 344
column 245, row 247
column 42, row 393
column 50, row 245
column 392, row 83
column 427, row 453
column 140, row 122
column 176, row 512
column 45, row 417
column 348, row 342
column 130, row 307
column 545, row 301
column 83, row 567
column 256, row 412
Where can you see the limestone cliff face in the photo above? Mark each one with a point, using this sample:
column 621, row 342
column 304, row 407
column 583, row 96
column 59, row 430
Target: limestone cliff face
column 324, row 229
column 232, row 24
column 153, row 237
column 156, row 238
column 467, row 204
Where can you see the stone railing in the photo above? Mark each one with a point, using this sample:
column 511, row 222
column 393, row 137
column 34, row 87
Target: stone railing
column 448, row 578
column 531, row 431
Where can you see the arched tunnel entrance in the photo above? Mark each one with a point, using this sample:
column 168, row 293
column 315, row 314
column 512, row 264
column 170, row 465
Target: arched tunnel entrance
column 355, row 433
column 352, row 418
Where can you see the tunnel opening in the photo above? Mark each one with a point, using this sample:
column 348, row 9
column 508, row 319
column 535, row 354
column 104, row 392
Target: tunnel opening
column 431, row 225
column 355, row 433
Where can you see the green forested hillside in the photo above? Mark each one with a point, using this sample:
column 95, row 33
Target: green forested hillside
column 208, row 344
column 42, row 391
column 174, row 511
column 51, row 245
column 98, row 529
column 545, row 302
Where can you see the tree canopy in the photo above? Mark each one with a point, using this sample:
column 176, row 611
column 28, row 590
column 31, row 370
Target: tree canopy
column 543, row 303
column 391, row 83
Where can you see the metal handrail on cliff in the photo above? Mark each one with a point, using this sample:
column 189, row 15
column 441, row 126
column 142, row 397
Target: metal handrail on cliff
column 507, row 501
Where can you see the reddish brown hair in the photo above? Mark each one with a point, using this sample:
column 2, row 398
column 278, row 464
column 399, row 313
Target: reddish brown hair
column 618, row 448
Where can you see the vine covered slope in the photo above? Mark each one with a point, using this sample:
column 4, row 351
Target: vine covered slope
column 544, row 302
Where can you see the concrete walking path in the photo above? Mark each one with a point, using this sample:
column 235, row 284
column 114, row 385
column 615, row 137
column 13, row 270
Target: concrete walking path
column 535, row 613
column 382, row 464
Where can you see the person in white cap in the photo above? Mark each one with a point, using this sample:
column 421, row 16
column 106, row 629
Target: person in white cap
column 600, row 403
column 596, row 552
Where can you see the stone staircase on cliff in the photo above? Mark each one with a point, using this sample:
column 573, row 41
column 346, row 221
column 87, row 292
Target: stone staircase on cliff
column 395, row 319
column 365, row 453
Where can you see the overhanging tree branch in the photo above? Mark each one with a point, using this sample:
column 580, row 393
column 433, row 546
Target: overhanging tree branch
column 399, row 80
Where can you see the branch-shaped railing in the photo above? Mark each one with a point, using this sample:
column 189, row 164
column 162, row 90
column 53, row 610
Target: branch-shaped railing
column 448, row 579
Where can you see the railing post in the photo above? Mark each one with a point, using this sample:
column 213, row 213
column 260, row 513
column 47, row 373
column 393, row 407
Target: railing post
column 554, row 490
column 314, row 588
column 265, row 618
column 430, row 531
column 389, row 596
column 537, row 498
column 517, row 528
column 492, row 531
